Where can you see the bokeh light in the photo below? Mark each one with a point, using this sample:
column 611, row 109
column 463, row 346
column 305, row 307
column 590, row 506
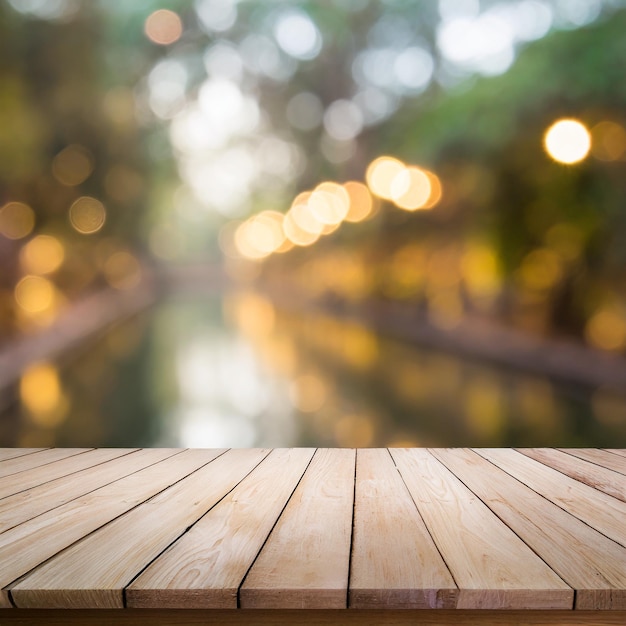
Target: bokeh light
column 436, row 190
column 87, row 215
column 608, row 141
column 567, row 141
column 17, row 220
column 606, row 329
column 42, row 395
column 34, row 294
column 410, row 189
column 329, row 203
column 260, row 235
column 381, row 174
column 163, row 27
column 361, row 202
column 297, row 35
column 122, row 270
column 302, row 215
column 43, row 254
column 308, row 393
column 296, row 234
column 73, row 165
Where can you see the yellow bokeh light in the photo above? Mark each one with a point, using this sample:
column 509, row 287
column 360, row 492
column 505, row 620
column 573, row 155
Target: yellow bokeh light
column 42, row 255
column 286, row 245
column 253, row 314
column 609, row 408
column 329, row 203
column 72, row 165
column 436, row 190
column 34, row 294
column 380, row 175
column 308, row 393
column 361, row 203
column 567, row 141
column 243, row 242
column 329, row 228
column 481, row 271
column 163, row 27
column 266, row 228
column 485, row 408
column 566, row 239
column 303, row 216
column 354, row 431
column 261, row 235
column 122, row 270
column 540, row 269
column 410, row 189
column 608, row 141
column 606, row 329
column 41, row 394
column 296, row 234
column 17, row 220
column 87, row 215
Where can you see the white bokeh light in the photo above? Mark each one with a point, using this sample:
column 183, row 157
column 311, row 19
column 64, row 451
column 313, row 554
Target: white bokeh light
column 414, row 68
column 305, row 111
column 167, row 83
column 223, row 60
column 343, row 120
column 216, row 15
column 297, row 35
column 483, row 44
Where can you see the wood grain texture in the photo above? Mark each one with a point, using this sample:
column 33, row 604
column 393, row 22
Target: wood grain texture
column 601, row 457
column 27, row 504
column 469, row 529
column 601, row 511
column 324, row 617
column 12, row 453
column 618, row 451
column 305, row 562
column 40, row 475
column 24, row 547
column 13, row 467
column 492, row 567
column 582, row 470
column 592, row 564
column 93, row 572
column 205, row 567
column 395, row 563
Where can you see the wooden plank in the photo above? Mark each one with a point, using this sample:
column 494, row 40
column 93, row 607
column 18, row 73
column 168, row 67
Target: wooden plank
column 586, row 560
column 25, row 546
column 598, row 509
column 39, row 475
column 93, row 572
column 584, row 471
column 12, row 453
column 205, row 567
column 601, row 457
column 305, row 562
column 27, row 504
column 491, row 565
column 620, row 451
column 324, row 617
column 395, row 563
column 29, row 461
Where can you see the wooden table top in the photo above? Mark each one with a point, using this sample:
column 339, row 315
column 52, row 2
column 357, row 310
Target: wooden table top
column 416, row 528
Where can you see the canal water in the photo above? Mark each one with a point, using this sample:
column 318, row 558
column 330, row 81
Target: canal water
column 235, row 371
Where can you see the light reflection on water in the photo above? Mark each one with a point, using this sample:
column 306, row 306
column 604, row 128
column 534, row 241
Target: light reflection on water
column 236, row 372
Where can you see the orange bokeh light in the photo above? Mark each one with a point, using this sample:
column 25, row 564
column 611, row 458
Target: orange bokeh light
column 163, row 27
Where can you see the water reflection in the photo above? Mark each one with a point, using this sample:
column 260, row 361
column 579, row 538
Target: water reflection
column 236, row 371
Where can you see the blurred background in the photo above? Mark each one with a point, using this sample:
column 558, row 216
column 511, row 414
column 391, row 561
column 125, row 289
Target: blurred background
column 340, row 223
